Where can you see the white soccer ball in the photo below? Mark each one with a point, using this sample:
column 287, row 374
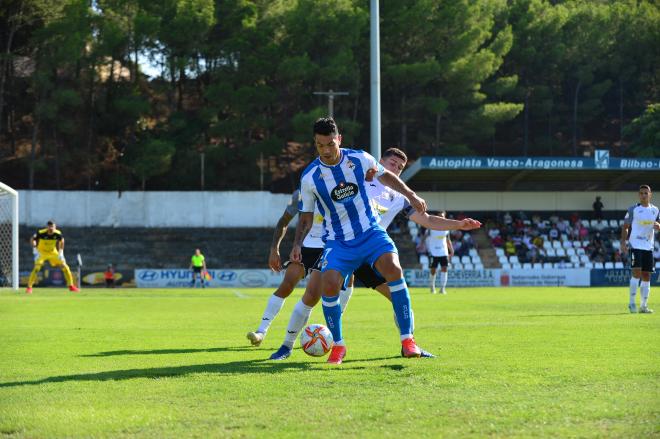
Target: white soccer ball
column 316, row 340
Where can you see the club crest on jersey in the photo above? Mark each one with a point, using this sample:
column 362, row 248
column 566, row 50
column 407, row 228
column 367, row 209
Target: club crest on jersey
column 350, row 164
column 344, row 192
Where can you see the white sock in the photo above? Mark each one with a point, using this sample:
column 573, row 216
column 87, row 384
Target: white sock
column 433, row 282
column 645, row 290
column 443, row 279
column 272, row 309
column 633, row 289
column 297, row 322
column 344, row 297
column 412, row 323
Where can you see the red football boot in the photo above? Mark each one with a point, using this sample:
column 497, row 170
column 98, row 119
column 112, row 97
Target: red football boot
column 337, row 354
column 74, row 288
column 410, row 349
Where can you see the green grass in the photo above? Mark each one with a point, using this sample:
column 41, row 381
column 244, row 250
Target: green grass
column 512, row 362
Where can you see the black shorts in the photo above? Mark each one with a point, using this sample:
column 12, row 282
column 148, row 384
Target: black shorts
column 443, row 261
column 368, row 276
column 197, row 269
column 311, row 259
column 642, row 259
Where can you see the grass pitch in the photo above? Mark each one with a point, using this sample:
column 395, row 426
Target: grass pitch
column 512, row 362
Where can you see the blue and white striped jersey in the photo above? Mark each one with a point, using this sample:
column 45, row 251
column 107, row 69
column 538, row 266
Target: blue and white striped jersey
column 340, row 194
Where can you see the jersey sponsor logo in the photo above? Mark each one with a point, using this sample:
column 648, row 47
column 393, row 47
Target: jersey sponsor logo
column 344, row 192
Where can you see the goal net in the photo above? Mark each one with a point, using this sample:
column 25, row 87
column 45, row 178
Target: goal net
column 8, row 237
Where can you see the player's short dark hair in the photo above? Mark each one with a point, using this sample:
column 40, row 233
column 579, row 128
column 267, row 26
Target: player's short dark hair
column 50, row 223
column 326, row 126
column 645, row 186
column 396, row 152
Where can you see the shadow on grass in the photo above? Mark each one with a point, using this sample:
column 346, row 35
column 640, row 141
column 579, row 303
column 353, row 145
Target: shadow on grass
column 173, row 351
column 234, row 367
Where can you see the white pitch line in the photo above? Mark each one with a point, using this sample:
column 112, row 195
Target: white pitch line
column 240, row 295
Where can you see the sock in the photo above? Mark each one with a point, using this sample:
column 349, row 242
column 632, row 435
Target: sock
column 443, row 279
column 344, row 297
column 401, row 305
column 67, row 275
column 633, row 289
column 297, row 322
column 332, row 313
column 412, row 321
column 645, row 290
column 272, row 309
column 433, row 281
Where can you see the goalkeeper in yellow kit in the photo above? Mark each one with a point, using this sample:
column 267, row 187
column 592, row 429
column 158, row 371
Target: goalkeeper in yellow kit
column 48, row 245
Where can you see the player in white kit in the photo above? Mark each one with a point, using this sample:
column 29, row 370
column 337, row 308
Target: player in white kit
column 440, row 249
column 638, row 229
column 295, row 272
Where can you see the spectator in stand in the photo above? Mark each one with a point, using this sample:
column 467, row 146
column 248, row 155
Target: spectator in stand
column 553, row 233
column 598, row 208
column 598, row 255
column 554, row 219
column 508, row 220
column 522, row 216
column 497, row 241
column 509, row 247
column 468, row 241
column 562, row 225
column 584, row 233
column 536, row 219
column 493, row 232
column 575, row 218
column 656, row 251
column 597, row 241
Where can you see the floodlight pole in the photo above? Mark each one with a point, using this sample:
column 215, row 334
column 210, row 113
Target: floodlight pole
column 375, row 78
column 331, row 99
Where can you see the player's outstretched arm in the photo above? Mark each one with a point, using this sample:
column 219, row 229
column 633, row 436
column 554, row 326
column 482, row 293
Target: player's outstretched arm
column 391, row 180
column 305, row 221
column 435, row 222
column 274, row 261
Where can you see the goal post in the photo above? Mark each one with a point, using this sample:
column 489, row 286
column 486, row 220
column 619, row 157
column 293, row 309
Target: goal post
column 8, row 237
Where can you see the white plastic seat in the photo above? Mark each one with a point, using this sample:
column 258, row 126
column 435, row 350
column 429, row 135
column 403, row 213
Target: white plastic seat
column 585, row 243
column 550, row 252
column 499, row 251
column 561, row 252
column 575, row 259
column 556, row 244
column 620, row 264
column 506, row 266
column 547, row 265
column 424, row 260
column 468, row 266
column 478, row 266
column 614, row 224
column 455, row 260
column 547, row 244
column 514, row 259
column 474, row 253
column 580, row 251
column 466, row 260
column 516, row 266
column 585, row 223
column 616, row 245
column 609, row 265
column 577, row 244
column 456, row 266
column 527, row 266
column 570, row 252
column 567, row 244
column 588, row 265
column 584, row 259
column 503, row 259
column 593, row 223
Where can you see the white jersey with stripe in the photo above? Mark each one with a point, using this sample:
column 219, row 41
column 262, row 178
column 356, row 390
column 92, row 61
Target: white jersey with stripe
column 314, row 238
column 436, row 243
column 387, row 202
column 340, row 195
column 641, row 220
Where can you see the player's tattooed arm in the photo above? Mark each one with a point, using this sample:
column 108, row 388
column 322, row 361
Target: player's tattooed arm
column 274, row 261
column 305, row 222
column 391, row 180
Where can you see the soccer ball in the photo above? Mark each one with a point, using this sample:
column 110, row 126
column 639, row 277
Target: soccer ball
column 316, row 340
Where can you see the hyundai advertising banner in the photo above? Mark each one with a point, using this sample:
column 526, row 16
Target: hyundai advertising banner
column 182, row 278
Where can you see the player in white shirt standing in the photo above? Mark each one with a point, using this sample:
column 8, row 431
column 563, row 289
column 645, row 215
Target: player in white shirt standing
column 295, row 272
column 440, row 249
column 639, row 225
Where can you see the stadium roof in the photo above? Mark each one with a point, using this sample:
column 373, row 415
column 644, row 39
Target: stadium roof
column 601, row 172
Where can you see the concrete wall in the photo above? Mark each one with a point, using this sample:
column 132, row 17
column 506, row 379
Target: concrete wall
column 260, row 209
column 151, row 209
